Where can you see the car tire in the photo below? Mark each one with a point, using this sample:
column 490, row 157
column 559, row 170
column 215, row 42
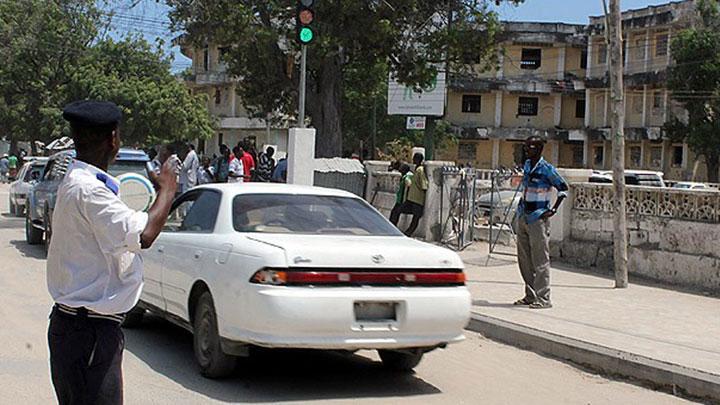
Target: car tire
column 213, row 362
column 33, row 236
column 134, row 318
column 11, row 206
column 404, row 360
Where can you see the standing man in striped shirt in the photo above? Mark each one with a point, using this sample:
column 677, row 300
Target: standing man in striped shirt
column 533, row 226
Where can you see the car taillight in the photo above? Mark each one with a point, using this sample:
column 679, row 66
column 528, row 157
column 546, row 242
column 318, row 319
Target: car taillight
column 349, row 278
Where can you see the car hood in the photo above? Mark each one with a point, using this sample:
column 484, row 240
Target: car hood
column 343, row 251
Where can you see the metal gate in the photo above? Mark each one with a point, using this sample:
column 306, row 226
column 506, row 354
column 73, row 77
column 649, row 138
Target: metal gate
column 457, row 208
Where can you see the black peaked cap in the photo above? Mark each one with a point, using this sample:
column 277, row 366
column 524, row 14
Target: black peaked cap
column 90, row 113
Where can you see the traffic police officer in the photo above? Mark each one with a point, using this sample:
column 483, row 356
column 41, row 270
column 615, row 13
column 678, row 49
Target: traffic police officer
column 94, row 273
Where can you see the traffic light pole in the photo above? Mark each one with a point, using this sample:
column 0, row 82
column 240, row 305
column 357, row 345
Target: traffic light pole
column 303, row 73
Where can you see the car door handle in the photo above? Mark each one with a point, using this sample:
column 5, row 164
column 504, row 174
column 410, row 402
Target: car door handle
column 161, row 249
column 197, row 254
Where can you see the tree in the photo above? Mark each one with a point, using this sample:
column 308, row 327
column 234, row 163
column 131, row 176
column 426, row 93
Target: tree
column 411, row 38
column 695, row 82
column 53, row 54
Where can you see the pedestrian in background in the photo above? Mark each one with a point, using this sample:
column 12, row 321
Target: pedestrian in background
column 265, row 166
column 94, row 273
column 188, row 172
column 248, row 162
column 4, row 168
column 533, row 226
column 205, row 173
column 236, row 173
column 12, row 167
column 221, row 165
column 405, row 182
column 280, row 173
column 415, row 201
column 153, row 166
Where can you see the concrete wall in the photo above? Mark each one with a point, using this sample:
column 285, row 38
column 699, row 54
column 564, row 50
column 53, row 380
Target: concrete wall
column 544, row 119
column 670, row 250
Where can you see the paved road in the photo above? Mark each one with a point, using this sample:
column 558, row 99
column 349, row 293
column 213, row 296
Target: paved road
column 159, row 368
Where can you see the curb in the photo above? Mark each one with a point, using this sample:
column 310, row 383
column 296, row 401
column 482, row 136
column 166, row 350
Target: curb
column 600, row 358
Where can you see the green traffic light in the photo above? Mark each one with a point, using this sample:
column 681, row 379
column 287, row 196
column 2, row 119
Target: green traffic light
column 306, row 35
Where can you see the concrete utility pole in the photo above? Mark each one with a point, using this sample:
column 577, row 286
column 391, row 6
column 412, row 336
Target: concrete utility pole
column 613, row 31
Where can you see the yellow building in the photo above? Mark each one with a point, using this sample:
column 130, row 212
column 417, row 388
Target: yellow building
column 552, row 81
column 208, row 76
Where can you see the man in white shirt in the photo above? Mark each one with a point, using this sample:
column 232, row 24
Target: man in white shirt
column 188, row 173
column 237, row 173
column 94, row 274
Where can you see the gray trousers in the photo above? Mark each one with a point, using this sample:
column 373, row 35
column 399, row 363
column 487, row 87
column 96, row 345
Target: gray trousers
column 533, row 252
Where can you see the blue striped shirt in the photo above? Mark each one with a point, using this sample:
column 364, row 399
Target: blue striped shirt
column 537, row 185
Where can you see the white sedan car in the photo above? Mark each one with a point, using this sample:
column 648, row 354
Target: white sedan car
column 20, row 188
column 278, row 265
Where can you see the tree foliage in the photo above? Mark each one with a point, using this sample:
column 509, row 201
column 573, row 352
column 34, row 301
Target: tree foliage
column 695, row 82
column 358, row 43
column 54, row 52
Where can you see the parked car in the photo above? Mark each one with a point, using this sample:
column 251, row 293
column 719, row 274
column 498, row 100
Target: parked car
column 287, row 266
column 632, row 178
column 690, row 185
column 502, row 205
column 20, row 188
column 41, row 199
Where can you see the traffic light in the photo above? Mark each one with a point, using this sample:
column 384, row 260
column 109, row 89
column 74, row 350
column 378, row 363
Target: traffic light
column 304, row 20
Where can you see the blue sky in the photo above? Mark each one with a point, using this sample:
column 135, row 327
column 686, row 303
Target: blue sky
column 149, row 17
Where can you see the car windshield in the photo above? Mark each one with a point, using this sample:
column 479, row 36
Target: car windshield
column 119, row 167
column 308, row 214
column 33, row 172
column 680, row 185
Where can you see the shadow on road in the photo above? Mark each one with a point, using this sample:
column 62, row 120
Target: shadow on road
column 34, row 251
column 270, row 375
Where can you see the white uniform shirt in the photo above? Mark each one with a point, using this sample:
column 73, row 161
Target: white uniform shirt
column 188, row 172
column 236, row 167
column 92, row 261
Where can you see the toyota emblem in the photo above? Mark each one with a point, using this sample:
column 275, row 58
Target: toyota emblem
column 377, row 259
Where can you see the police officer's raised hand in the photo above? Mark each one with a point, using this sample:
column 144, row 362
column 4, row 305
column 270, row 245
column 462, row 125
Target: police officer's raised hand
column 167, row 179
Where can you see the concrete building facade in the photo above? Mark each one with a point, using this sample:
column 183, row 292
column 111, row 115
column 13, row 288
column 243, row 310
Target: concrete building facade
column 552, row 81
column 234, row 124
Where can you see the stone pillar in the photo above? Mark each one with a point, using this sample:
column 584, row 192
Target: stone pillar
column 561, row 63
column 560, row 223
column 430, row 226
column 495, row 153
column 642, row 154
column 588, row 70
column 501, row 68
column 587, row 108
column 606, row 98
column 301, row 156
column 372, row 167
column 587, row 150
column 558, row 109
column 498, row 109
column 644, row 106
column 666, row 107
column 669, row 48
column 555, row 155
column 233, row 100
column 626, row 53
column 647, row 50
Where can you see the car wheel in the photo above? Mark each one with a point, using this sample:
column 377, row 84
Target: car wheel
column 134, row 318
column 33, row 236
column 206, row 341
column 11, row 206
column 404, row 360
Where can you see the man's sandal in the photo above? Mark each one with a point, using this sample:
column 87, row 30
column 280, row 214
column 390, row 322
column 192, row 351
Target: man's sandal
column 522, row 302
column 540, row 305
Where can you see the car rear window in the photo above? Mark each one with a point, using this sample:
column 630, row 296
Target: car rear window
column 38, row 169
column 308, row 214
column 119, row 167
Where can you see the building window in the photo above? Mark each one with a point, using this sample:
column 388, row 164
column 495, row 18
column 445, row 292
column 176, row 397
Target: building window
column 528, row 106
column 471, row 103
column 658, row 99
column 602, row 54
column 599, row 156
column 578, row 154
column 656, row 157
column 677, row 156
column 218, row 96
column 531, row 58
column 661, row 45
column 640, row 49
column 580, row 108
column 583, row 59
column 206, row 59
column 637, row 103
column 635, row 156
column 467, row 151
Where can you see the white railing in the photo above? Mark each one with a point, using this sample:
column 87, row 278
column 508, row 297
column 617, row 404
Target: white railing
column 693, row 205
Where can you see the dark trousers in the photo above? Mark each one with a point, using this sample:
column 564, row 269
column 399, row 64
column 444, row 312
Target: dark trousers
column 85, row 359
column 408, row 207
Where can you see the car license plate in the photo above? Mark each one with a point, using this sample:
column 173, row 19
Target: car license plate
column 372, row 311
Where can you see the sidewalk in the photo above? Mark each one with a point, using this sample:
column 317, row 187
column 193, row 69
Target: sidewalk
column 665, row 337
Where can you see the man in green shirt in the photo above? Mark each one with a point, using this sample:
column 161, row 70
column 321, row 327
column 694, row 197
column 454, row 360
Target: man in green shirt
column 12, row 167
column 405, row 181
column 415, row 202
